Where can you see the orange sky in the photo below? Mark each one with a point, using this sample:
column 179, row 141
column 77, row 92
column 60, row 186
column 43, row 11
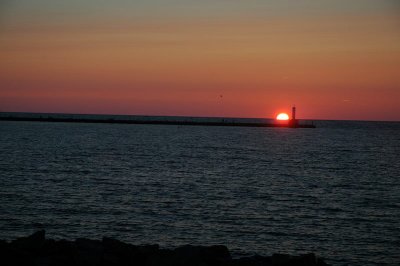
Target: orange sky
column 242, row 63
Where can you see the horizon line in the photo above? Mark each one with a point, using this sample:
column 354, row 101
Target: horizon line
column 191, row 116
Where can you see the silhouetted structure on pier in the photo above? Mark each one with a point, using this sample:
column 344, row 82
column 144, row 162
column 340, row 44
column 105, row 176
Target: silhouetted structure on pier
column 293, row 122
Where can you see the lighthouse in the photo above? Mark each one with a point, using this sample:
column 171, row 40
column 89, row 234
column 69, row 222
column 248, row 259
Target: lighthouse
column 293, row 121
column 294, row 112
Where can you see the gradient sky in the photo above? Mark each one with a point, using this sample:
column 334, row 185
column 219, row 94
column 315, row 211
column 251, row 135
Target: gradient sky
column 334, row 59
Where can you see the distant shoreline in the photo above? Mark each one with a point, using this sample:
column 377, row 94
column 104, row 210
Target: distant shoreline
column 152, row 120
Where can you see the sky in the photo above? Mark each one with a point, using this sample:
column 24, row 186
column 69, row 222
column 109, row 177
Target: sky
column 333, row 59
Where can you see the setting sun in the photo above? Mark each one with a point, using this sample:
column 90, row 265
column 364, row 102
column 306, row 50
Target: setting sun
column 282, row 116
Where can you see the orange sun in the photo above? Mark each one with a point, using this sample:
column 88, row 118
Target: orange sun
column 282, row 116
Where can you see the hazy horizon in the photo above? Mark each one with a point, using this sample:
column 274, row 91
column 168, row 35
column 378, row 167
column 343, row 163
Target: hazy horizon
column 232, row 117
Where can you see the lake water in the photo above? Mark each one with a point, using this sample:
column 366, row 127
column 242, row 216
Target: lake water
column 333, row 190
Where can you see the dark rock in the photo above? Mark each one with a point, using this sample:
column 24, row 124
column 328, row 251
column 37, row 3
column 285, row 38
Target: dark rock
column 36, row 250
column 115, row 251
column 321, row 262
column 22, row 251
column 252, row 261
column 281, row 259
column 32, row 242
column 60, row 253
column 88, row 252
column 120, row 253
column 303, row 260
column 163, row 257
column 116, row 246
column 199, row 255
column 149, row 249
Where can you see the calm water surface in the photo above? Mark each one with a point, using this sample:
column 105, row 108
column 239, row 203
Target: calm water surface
column 333, row 190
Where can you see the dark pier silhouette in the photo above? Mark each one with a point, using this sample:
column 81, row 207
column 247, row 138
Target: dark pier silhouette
column 153, row 120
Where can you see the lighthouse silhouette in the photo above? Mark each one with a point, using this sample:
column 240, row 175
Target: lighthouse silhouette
column 293, row 120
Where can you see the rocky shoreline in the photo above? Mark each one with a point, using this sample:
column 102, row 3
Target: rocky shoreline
column 37, row 250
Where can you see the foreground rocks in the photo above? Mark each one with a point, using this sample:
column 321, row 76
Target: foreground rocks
column 37, row 250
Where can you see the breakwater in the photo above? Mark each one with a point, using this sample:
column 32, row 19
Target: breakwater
column 155, row 120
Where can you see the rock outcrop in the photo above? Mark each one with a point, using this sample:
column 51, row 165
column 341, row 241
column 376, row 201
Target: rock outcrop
column 37, row 250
